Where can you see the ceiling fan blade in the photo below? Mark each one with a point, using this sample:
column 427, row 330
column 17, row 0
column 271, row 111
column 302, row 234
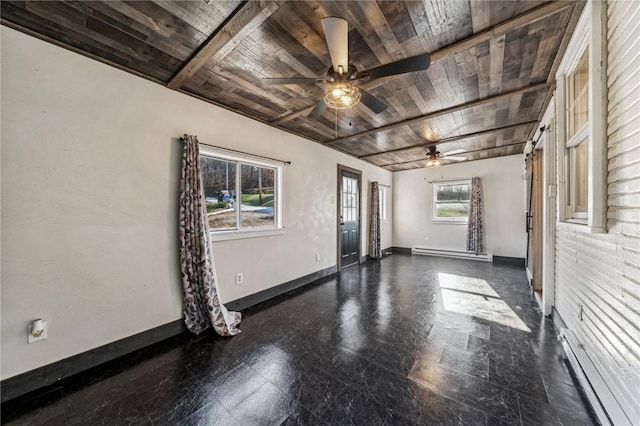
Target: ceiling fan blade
column 454, row 152
column 276, row 81
column 336, row 32
column 373, row 103
column 317, row 110
column 415, row 63
column 454, row 158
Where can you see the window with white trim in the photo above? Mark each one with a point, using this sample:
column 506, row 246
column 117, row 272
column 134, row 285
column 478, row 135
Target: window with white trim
column 451, row 201
column 581, row 128
column 577, row 139
column 382, row 198
column 240, row 194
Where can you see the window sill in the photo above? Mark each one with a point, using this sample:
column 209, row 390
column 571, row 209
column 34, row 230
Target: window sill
column 581, row 226
column 449, row 222
column 239, row 235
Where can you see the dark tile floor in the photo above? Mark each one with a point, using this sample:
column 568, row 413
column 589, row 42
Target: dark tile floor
column 410, row 340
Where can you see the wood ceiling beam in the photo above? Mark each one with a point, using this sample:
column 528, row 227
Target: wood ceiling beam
column 537, row 13
column 529, row 17
column 467, row 152
column 450, row 139
column 294, row 115
column 248, row 16
column 445, row 111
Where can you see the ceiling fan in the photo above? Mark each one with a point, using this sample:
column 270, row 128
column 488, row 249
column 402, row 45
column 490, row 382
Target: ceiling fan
column 435, row 158
column 343, row 77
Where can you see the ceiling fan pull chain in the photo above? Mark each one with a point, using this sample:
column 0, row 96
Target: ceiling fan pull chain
column 336, row 125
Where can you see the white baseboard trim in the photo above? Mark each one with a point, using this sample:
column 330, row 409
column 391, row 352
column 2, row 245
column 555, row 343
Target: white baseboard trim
column 603, row 401
column 484, row 257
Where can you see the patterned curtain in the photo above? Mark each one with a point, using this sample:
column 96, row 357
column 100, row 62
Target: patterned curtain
column 202, row 308
column 375, row 252
column 475, row 232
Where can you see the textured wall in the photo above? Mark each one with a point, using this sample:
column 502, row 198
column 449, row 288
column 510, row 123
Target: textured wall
column 601, row 272
column 90, row 171
column 503, row 194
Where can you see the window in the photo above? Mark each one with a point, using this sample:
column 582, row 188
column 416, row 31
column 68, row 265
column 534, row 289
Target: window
column 382, row 197
column 451, row 201
column 240, row 195
column 581, row 130
column 577, row 145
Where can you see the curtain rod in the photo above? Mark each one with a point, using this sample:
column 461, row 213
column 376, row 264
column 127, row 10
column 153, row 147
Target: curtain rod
column 241, row 152
column 386, row 186
column 448, row 180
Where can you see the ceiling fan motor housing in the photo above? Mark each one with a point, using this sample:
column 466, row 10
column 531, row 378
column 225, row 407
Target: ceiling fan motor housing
column 433, row 153
column 350, row 75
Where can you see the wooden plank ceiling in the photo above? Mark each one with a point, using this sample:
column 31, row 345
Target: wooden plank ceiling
column 491, row 73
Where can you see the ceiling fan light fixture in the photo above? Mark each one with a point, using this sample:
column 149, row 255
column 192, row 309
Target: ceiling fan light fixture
column 342, row 95
column 433, row 162
column 433, row 157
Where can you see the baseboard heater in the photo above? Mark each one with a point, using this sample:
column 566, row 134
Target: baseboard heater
column 485, row 257
column 603, row 401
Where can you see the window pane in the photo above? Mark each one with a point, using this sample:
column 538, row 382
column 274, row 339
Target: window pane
column 452, row 209
column 452, row 201
column 219, row 182
column 349, row 199
column 257, row 209
column 582, row 177
column 382, row 201
column 578, row 96
column 459, row 192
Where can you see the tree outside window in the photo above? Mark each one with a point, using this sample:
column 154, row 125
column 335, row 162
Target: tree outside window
column 239, row 195
column 451, row 201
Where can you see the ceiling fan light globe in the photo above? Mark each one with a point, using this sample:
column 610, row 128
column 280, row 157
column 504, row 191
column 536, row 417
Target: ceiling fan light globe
column 342, row 95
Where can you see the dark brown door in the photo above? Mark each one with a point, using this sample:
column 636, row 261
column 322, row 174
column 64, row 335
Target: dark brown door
column 349, row 216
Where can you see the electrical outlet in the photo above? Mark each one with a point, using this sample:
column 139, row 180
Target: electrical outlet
column 35, row 336
column 239, row 278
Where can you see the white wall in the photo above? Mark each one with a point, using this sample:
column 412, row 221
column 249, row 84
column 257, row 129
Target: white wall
column 502, row 191
column 600, row 273
column 90, row 174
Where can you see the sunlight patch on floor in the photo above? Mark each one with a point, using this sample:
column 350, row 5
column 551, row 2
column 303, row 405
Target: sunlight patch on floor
column 475, row 297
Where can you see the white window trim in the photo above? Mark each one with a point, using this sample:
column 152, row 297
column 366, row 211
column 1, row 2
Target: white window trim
column 383, row 195
column 589, row 35
column 444, row 220
column 247, row 159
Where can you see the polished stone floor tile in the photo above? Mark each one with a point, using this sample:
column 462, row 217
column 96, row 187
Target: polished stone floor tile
column 409, row 340
column 354, row 408
column 523, row 380
column 276, row 365
column 232, row 387
column 128, row 410
column 315, row 390
column 464, row 361
column 303, row 417
column 36, row 408
column 211, row 414
column 267, row 405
